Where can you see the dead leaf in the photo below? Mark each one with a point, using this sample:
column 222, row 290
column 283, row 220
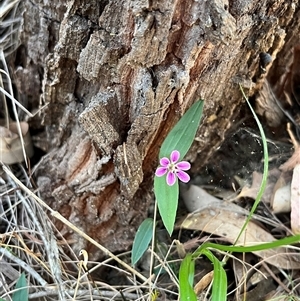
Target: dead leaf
column 226, row 220
column 195, row 197
column 291, row 162
column 281, row 198
column 281, row 201
column 295, row 200
column 10, row 143
column 295, row 158
column 204, row 282
column 251, row 192
column 180, row 249
column 259, row 292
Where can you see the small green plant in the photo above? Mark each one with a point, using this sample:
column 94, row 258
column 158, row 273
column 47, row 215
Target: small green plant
column 142, row 240
column 166, row 189
column 21, row 293
column 175, row 147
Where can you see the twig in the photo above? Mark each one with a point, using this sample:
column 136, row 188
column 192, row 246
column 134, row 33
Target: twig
column 82, row 292
column 24, row 265
column 6, row 8
column 277, row 279
column 18, row 104
column 295, row 158
column 295, row 143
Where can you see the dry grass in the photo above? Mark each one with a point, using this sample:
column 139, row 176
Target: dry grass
column 30, row 243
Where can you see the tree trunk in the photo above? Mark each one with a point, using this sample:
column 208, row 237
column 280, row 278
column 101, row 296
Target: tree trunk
column 117, row 75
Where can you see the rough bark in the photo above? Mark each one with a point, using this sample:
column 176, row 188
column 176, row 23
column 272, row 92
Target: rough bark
column 117, row 75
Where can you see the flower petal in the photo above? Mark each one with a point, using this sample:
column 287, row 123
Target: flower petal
column 171, row 178
column 160, row 171
column 183, row 165
column 183, row 176
column 164, row 161
column 175, row 155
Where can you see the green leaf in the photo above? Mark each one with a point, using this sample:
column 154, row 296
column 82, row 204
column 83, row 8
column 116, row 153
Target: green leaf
column 186, row 279
column 180, row 138
column 167, row 201
column 242, row 249
column 266, row 167
column 142, row 239
column 183, row 134
column 22, row 293
column 219, row 289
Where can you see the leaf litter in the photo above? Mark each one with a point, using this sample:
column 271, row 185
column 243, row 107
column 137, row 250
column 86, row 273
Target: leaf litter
column 223, row 217
column 217, row 218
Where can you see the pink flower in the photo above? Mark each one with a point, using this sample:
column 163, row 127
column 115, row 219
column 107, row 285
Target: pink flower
column 173, row 168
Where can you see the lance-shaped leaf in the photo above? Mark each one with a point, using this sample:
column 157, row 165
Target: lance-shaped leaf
column 183, row 134
column 21, row 293
column 186, row 279
column 142, row 240
column 167, row 201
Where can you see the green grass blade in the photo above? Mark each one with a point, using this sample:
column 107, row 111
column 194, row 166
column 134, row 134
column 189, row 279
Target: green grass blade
column 22, row 293
column 186, row 279
column 167, row 201
column 242, row 249
column 266, row 167
column 219, row 289
column 183, row 134
column 142, row 240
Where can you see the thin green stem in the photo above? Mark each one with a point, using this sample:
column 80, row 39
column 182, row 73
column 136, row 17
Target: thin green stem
column 266, row 168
